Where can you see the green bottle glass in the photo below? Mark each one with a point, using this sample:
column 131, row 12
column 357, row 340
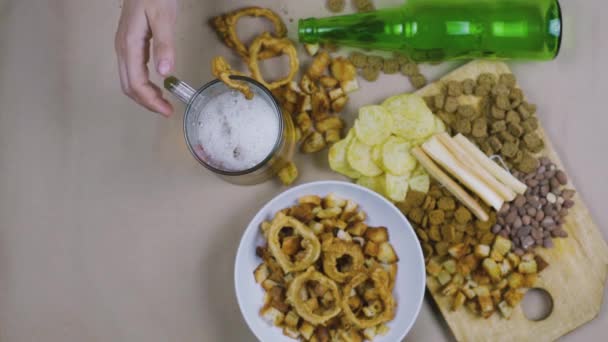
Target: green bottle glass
column 437, row 30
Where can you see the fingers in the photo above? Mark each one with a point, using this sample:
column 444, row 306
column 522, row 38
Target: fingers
column 162, row 23
column 124, row 79
column 143, row 91
column 120, row 47
column 133, row 49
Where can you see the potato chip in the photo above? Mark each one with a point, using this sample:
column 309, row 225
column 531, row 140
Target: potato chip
column 359, row 156
column 376, row 184
column 439, row 125
column 417, row 142
column 396, row 157
column 412, row 119
column 396, row 187
column 420, row 183
column 377, row 154
column 418, row 170
column 337, row 157
column 373, row 125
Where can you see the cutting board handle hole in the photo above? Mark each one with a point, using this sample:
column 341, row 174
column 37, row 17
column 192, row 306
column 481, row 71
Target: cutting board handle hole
column 537, row 304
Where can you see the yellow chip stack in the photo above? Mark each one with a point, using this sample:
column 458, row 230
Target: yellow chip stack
column 376, row 151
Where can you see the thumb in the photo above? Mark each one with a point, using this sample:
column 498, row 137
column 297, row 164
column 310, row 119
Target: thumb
column 163, row 43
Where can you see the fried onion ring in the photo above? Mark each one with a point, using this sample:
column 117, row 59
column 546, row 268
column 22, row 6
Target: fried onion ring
column 299, row 283
column 225, row 26
column 379, row 277
column 336, row 249
column 310, row 242
column 266, row 42
column 222, row 70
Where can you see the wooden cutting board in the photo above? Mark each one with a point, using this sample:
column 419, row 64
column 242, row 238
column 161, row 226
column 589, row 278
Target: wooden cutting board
column 574, row 280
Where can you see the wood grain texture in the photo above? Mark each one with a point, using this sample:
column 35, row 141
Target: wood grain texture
column 575, row 278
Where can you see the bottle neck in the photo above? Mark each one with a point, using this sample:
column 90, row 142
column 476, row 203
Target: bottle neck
column 308, row 32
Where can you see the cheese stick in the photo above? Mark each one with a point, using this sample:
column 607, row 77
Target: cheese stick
column 474, row 167
column 501, row 174
column 445, row 159
column 449, row 184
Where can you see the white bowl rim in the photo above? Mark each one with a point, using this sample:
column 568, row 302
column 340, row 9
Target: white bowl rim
column 297, row 188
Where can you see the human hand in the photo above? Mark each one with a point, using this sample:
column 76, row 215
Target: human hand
column 140, row 22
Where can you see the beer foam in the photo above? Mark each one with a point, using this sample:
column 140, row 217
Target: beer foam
column 236, row 134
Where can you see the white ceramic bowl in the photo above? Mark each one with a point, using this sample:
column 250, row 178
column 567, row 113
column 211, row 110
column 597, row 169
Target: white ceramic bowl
column 409, row 288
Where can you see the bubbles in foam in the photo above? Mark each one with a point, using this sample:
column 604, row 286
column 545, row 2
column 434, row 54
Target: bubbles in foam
column 235, row 133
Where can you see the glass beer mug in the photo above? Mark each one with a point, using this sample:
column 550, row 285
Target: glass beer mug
column 242, row 141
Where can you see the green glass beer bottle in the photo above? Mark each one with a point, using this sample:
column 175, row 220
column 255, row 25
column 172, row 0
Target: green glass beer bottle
column 437, row 30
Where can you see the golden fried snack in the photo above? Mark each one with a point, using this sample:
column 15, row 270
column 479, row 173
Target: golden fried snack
column 314, row 142
column 310, row 243
column 315, row 303
column 336, row 250
column 222, row 70
column 288, row 174
column 266, row 42
column 319, row 65
column 343, row 69
column 225, row 26
column 379, row 278
column 320, row 315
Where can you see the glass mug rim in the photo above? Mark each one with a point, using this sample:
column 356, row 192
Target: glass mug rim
column 279, row 116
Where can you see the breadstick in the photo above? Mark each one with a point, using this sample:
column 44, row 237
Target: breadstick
column 501, row 174
column 449, row 184
column 474, row 167
column 443, row 157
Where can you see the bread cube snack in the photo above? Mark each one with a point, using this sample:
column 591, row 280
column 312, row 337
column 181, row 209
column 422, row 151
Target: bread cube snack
column 479, row 272
column 326, row 274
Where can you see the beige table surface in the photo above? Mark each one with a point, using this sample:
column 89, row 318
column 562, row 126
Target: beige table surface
column 110, row 231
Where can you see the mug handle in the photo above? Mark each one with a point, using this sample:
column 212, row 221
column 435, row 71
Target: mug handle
column 180, row 89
